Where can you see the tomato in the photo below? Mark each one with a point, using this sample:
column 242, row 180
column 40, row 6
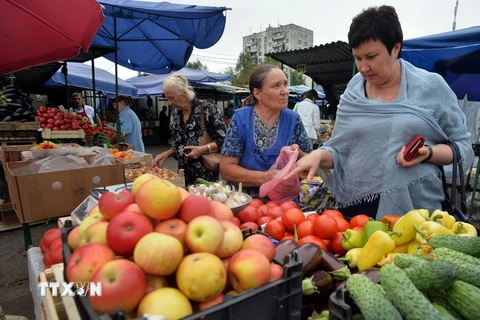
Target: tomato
column 249, row 214
column 312, row 217
column 357, row 228
column 42, row 109
column 50, row 236
column 332, row 213
column 264, row 208
column 236, row 221
column 313, row 239
column 56, row 254
column 264, row 219
column 256, row 203
column 274, row 212
column 288, row 205
column 342, row 224
column 292, row 217
column 328, row 243
column 336, row 244
column 43, row 247
column 272, row 204
column 46, row 259
column 325, row 227
column 359, row 220
column 249, row 225
column 42, row 120
column 305, row 228
column 288, row 236
column 275, row 229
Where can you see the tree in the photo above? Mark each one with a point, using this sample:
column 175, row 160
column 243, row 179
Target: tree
column 197, row 65
column 296, row 78
column 242, row 70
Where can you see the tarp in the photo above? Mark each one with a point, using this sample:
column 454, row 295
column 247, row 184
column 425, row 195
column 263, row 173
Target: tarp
column 80, row 75
column 152, row 84
column 158, row 37
column 301, row 89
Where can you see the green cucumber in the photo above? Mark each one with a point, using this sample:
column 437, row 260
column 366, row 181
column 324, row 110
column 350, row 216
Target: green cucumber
column 370, row 300
column 441, row 300
column 460, row 255
column 405, row 260
column 467, row 245
column 465, row 299
column 405, row 296
column 444, row 312
column 466, row 271
column 432, row 278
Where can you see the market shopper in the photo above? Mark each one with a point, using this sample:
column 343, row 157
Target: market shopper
column 130, row 124
column 384, row 106
column 309, row 112
column 186, row 132
column 85, row 111
column 258, row 131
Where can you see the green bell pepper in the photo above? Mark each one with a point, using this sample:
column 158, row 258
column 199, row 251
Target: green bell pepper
column 370, row 227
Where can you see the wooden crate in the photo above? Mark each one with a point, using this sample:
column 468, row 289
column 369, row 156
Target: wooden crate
column 12, row 126
column 137, row 162
column 18, row 135
column 50, row 134
column 57, row 308
column 11, row 153
column 179, row 181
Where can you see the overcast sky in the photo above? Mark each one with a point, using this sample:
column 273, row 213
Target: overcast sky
column 329, row 20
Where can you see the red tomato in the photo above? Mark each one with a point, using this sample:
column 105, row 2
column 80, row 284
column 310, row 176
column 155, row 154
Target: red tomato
column 342, row 224
column 359, row 220
column 305, row 228
column 46, row 259
column 256, row 203
column 264, row 208
column 249, row 225
column 249, row 214
column 55, row 252
column 312, row 217
column 336, row 244
column 288, row 205
column 236, row 221
column 272, row 204
column 274, row 212
column 325, row 227
column 43, row 247
column 288, row 236
column 357, row 228
column 328, row 243
column 313, row 239
column 264, row 219
column 50, row 236
column 332, row 213
column 275, row 229
column 292, row 217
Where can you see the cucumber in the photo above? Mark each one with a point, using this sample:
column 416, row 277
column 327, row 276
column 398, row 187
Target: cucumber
column 405, row 296
column 440, row 299
column 465, row 299
column 462, row 256
column 437, row 276
column 404, row 260
column 370, row 300
column 467, row 245
column 465, row 271
column 444, row 312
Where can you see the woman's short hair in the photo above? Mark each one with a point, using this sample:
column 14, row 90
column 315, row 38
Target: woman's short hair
column 179, row 83
column 376, row 23
column 311, row 94
column 257, row 80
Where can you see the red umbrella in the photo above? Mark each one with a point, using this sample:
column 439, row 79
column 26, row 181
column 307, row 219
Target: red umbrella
column 34, row 32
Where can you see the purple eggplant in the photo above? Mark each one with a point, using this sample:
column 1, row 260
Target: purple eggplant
column 311, row 256
column 372, row 273
column 337, row 268
column 284, row 248
column 318, row 285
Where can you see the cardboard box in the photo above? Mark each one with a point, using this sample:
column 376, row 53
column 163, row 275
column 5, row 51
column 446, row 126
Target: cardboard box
column 56, row 194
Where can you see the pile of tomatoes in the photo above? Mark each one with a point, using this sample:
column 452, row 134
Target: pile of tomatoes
column 55, row 119
column 51, row 247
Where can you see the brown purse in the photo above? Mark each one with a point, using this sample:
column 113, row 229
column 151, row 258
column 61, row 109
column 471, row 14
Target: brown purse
column 211, row 161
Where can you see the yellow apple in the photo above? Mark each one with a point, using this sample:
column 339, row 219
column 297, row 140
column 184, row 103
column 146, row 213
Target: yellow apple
column 167, row 302
column 137, row 183
column 96, row 233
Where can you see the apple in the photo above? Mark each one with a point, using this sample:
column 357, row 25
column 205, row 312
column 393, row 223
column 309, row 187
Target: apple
column 236, row 221
column 86, row 260
column 167, row 302
column 183, row 192
column 174, row 227
column 248, row 269
column 111, row 204
column 260, row 243
column 225, row 262
column 96, row 233
column 204, row 234
column 140, row 180
column 232, row 240
column 221, row 211
column 208, row 304
column 195, row 206
column 276, row 271
column 158, row 254
column 155, row 282
column 134, row 208
column 89, row 220
column 201, row 276
column 159, row 199
column 123, row 286
column 125, row 230
column 73, row 238
column 95, row 209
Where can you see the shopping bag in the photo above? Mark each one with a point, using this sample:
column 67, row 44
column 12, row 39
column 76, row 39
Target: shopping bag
column 278, row 189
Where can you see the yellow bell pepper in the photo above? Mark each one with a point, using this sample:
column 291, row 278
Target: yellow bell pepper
column 351, row 257
column 443, row 217
column 464, row 229
column 413, row 246
column 404, row 225
column 401, row 248
column 428, row 229
column 379, row 244
column 387, row 259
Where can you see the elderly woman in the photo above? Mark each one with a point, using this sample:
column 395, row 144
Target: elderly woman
column 186, row 131
column 385, row 105
column 258, row 131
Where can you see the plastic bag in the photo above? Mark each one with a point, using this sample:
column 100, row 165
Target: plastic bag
column 278, row 189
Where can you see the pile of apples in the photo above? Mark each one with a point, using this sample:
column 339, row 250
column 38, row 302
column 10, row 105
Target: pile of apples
column 158, row 250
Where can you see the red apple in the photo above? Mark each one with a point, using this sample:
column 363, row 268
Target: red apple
column 204, row 234
column 111, row 204
column 208, row 304
column 221, row 211
column 159, row 199
column 260, row 243
column 194, row 206
column 123, row 286
column 86, row 260
column 248, row 269
column 155, row 282
column 133, row 207
column 232, row 240
column 174, row 227
column 276, row 271
column 125, row 230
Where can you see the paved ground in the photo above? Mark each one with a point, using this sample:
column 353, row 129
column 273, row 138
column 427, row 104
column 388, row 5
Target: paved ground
column 15, row 295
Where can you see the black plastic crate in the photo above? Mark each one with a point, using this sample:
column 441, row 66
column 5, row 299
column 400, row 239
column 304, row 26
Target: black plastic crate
column 279, row 300
column 341, row 305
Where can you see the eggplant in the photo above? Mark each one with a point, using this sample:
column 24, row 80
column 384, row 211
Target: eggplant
column 311, row 256
column 9, row 118
column 282, row 249
column 372, row 273
column 337, row 268
column 319, row 285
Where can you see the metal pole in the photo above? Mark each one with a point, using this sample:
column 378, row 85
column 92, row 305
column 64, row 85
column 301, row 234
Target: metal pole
column 118, row 125
column 455, row 16
column 94, row 91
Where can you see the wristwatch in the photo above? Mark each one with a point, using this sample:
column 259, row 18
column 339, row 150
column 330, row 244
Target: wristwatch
column 430, row 153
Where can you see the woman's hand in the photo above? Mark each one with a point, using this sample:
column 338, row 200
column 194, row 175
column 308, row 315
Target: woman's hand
column 422, row 155
column 307, row 166
column 160, row 159
column 195, row 151
column 269, row 175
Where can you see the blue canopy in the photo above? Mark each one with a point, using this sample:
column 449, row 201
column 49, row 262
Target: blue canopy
column 152, row 84
column 301, row 89
column 80, row 75
column 157, row 37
